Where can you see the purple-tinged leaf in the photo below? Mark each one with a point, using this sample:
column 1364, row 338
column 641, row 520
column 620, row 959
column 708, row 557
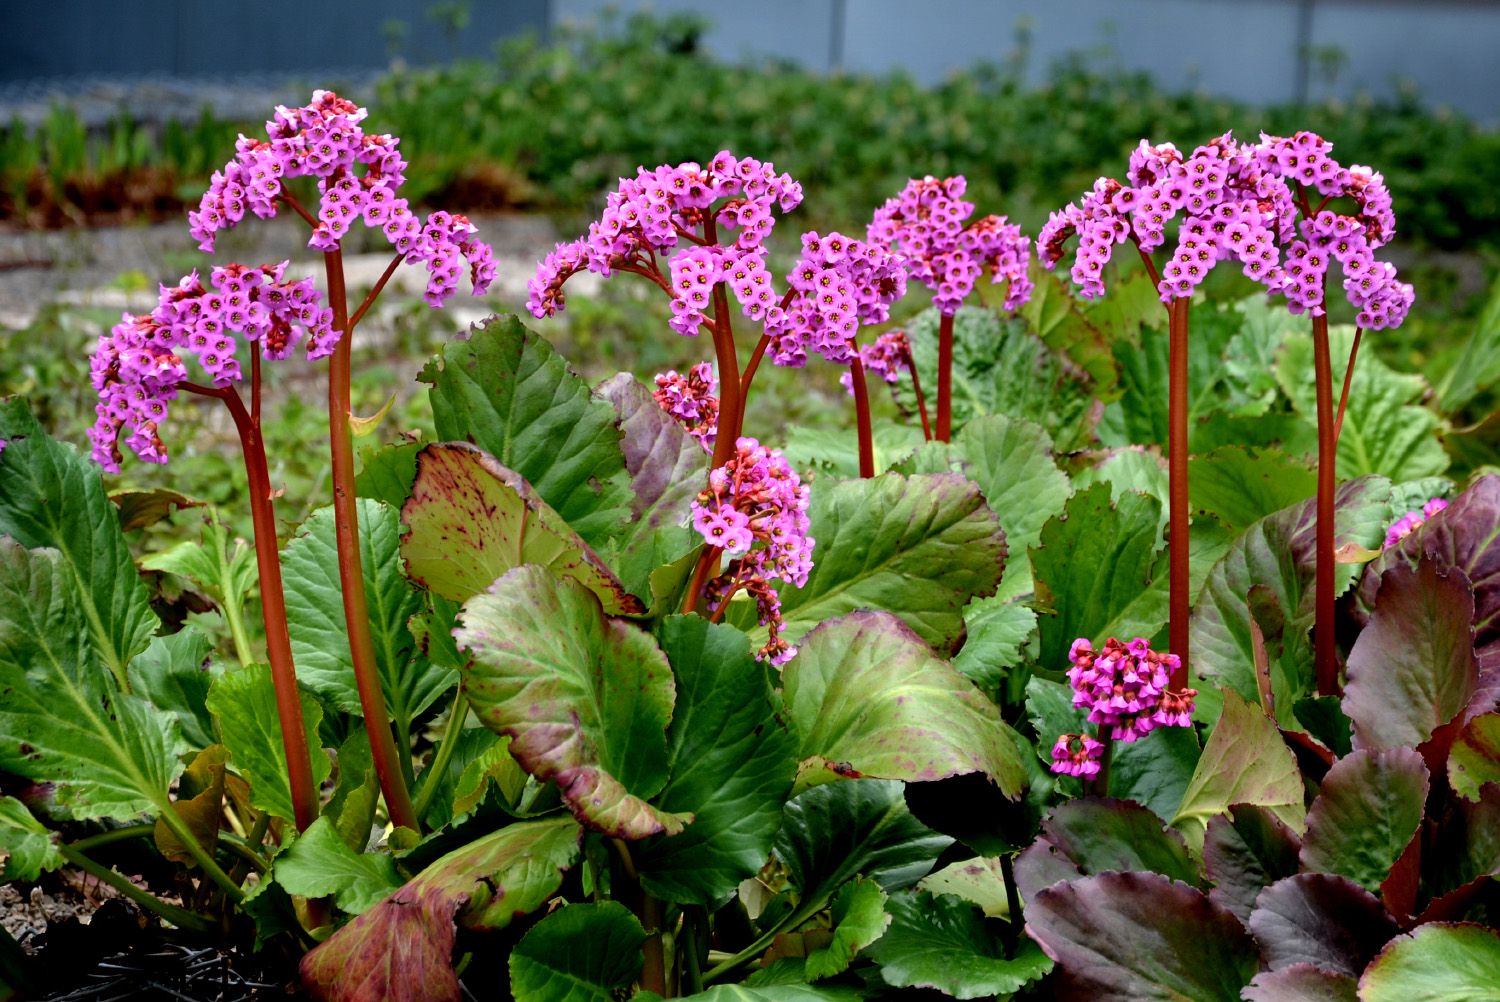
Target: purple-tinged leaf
column 1474, row 759
column 1412, row 669
column 1099, row 834
column 1244, row 762
column 1467, row 846
column 469, row 520
column 1134, row 937
column 1245, row 851
column 867, row 696
column 1278, row 552
column 1465, row 535
column 667, row 469
column 1301, row 983
column 585, row 698
column 1436, row 963
column 1040, row 866
column 401, row 950
column 1370, row 805
column 1320, row 919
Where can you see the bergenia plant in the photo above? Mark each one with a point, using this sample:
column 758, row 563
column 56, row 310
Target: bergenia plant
column 928, row 226
column 1236, row 202
column 138, row 368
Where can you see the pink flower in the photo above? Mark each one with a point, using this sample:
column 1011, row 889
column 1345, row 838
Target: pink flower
column 1124, row 688
column 837, row 285
column 925, row 225
column 1077, row 755
column 691, row 400
column 1408, row 523
column 887, row 357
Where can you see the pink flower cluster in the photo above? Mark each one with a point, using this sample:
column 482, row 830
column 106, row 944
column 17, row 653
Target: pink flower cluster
column 1408, row 523
column 138, row 366
column 1124, row 688
column 323, row 139
column 655, row 211
column 925, row 224
column 691, row 399
column 838, row 284
column 887, row 356
column 1236, row 202
column 1077, row 755
column 755, row 510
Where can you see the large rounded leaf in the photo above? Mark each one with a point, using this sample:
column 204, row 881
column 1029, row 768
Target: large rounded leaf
column 1475, row 757
column 1097, row 835
column 585, row 698
column 731, row 763
column 920, row 547
column 1140, row 937
column 869, row 698
column 1244, row 762
column 1436, row 963
column 401, row 949
column 1301, row 983
column 942, row 942
column 581, row 953
column 508, row 392
column 1094, row 569
column 469, row 520
column 1277, row 553
column 1412, row 669
column 1245, row 851
column 315, row 613
column 1367, row 811
column 1321, row 919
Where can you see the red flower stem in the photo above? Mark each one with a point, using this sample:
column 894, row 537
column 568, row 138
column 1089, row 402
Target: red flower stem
column 1146, row 260
column 862, row 418
column 916, row 387
column 273, row 607
column 749, row 375
column 351, row 574
column 1325, row 653
column 731, row 412
column 706, row 559
column 1180, row 597
column 1099, row 785
column 385, row 277
column 255, row 383
column 296, row 206
column 1338, row 421
column 945, row 378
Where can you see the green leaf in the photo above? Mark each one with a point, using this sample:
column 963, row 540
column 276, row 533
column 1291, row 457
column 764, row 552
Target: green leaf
column 402, row 947
column 505, row 390
column 584, row 698
column 173, row 674
column 1475, row 757
column 1412, row 670
column 1134, row 937
column 244, row 703
column 1242, row 486
column 1156, row 771
column 1065, row 324
column 139, row 509
column 581, row 953
column 859, row 919
column 833, row 832
column 997, row 633
column 200, row 804
column 920, row 547
column 63, row 720
column 836, row 450
column 1438, row 962
column 868, row 698
column 1367, row 810
column 942, row 942
column 356, row 792
column 315, row 613
column 1094, row 569
column 777, row 993
column 979, row 881
column 667, row 469
column 1478, row 366
column 386, row 474
column 1011, row 461
column 1384, row 430
column 730, row 765
column 1132, row 468
column 1244, row 762
column 469, row 520
column 27, row 848
column 1249, row 386
column 51, row 496
column 1000, row 367
column 1277, row 555
column 319, row 863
